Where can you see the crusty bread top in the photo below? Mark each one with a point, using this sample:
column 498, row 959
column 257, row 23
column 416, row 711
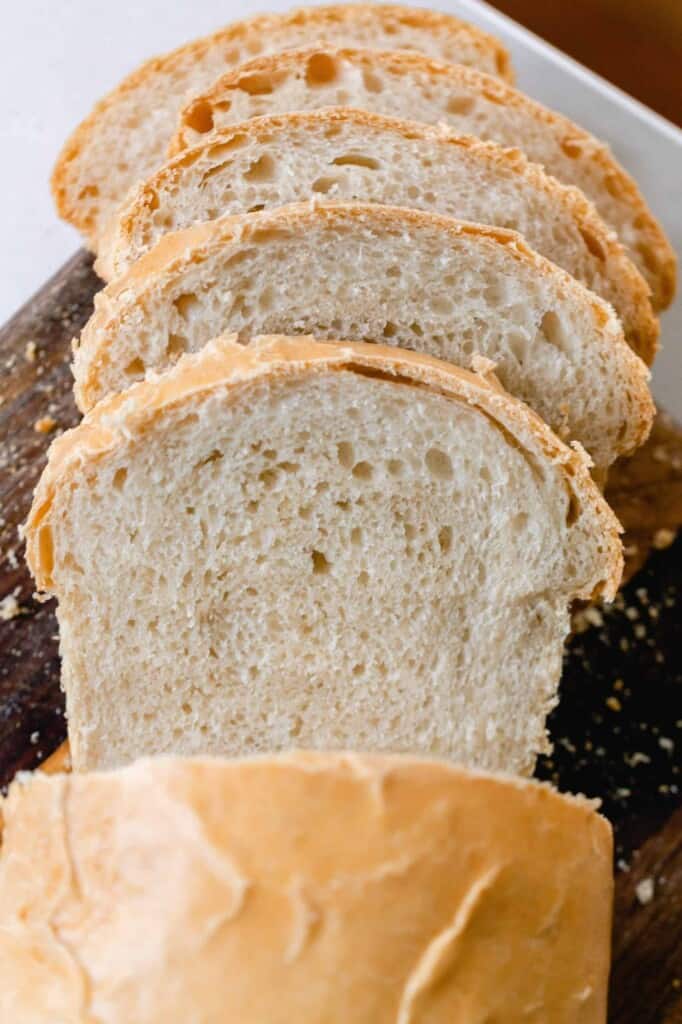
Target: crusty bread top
column 654, row 249
column 411, row 890
column 225, row 363
column 79, row 202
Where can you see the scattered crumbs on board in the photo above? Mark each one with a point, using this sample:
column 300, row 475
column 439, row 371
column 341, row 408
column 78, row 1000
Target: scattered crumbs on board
column 45, row 424
column 617, row 731
column 644, row 891
column 10, row 607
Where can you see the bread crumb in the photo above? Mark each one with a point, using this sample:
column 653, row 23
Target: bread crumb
column 645, row 891
column 30, row 351
column 663, row 538
column 666, row 744
column 614, row 704
column 9, row 607
column 45, row 424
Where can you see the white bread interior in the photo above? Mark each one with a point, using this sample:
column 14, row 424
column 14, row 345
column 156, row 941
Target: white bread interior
column 125, row 136
column 331, row 546
column 380, row 274
column 411, row 85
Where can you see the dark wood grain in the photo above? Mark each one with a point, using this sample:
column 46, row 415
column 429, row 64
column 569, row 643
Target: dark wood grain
column 35, row 384
column 626, row 752
column 636, row 44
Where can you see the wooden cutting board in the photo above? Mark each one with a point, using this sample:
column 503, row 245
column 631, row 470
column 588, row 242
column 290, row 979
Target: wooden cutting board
column 617, row 731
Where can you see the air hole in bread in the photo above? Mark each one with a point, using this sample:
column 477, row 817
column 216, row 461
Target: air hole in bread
column 263, row 169
column 321, row 565
column 439, row 464
column 346, row 454
column 199, row 117
column 389, row 330
column 553, row 331
column 445, row 538
column 324, row 185
column 175, row 346
column 268, row 477
column 572, row 148
column 593, row 243
column 460, row 105
column 213, row 456
column 321, row 69
column 259, row 84
column 135, row 368
column 363, row 578
column 363, row 471
column 393, row 272
column 441, row 305
column 187, row 305
column 356, row 535
column 119, row 478
column 573, row 510
column 395, row 467
column 266, row 298
column 238, row 140
column 256, row 208
column 371, row 81
column 357, row 160
column 417, row 329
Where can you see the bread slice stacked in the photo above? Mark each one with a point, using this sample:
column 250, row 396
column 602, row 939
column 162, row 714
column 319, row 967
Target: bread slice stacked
column 347, row 392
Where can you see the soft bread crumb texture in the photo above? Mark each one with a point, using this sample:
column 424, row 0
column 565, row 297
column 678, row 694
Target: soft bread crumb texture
column 126, row 135
column 361, row 549
column 410, row 890
column 371, row 273
column 411, row 85
column 343, row 154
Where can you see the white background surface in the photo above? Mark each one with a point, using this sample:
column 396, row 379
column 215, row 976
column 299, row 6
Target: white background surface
column 59, row 57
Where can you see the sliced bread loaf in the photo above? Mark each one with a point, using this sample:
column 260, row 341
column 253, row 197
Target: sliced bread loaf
column 125, row 137
column 291, row 888
column 382, row 274
column 332, row 546
column 412, row 85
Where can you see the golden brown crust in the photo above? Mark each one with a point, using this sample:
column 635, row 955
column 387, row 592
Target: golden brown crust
column 583, row 145
column 410, row 889
column 226, row 364
column 79, row 212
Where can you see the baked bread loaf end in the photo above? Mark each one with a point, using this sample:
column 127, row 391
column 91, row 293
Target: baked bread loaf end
column 302, row 888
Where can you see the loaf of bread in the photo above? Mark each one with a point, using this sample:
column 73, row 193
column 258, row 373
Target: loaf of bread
column 125, row 137
column 411, row 85
column 332, row 546
column 379, row 274
column 301, row 888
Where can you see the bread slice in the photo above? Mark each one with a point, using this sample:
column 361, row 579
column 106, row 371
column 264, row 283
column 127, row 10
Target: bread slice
column 291, row 888
column 342, row 153
column 381, row 274
column 414, row 86
column 332, row 546
column 136, row 120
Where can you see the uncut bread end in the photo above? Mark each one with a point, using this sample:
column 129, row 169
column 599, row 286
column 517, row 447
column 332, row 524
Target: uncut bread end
column 280, row 885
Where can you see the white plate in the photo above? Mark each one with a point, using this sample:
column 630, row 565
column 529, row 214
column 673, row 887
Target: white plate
column 647, row 145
